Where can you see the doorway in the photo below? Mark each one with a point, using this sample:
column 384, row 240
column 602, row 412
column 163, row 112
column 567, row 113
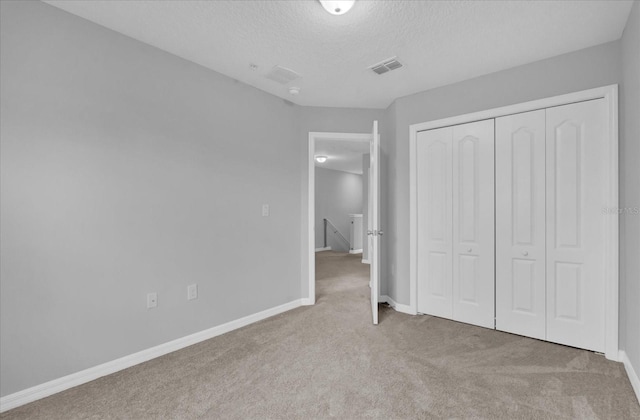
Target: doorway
column 370, row 230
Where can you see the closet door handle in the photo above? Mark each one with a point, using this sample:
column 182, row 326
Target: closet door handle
column 470, row 249
column 525, row 253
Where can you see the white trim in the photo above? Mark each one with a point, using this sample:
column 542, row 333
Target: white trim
column 58, row 385
column 313, row 136
column 326, row 248
column 355, row 251
column 631, row 373
column 611, row 241
column 399, row 307
column 610, row 94
column 365, row 261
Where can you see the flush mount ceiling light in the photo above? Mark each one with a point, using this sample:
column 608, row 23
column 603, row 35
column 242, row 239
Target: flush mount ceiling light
column 337, row 7
column 321, row 159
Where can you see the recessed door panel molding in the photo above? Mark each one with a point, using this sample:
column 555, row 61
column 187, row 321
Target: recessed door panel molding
column 468, row 189
column 575, row 196
column 568, row 292
column 523, row 286
column 434, row 196
column 568, row 137
column 473, row 227
column 520, row 224
column 467, row 279
column 523, row 176
column 436, row 154
column 438, row 276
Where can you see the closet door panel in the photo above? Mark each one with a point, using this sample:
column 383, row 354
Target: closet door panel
column 520, row 224
column 434, row 190
column 576, row 141
column 473, row 223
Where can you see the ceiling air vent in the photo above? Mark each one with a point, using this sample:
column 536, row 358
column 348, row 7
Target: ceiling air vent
column 387, row 65
column 282, row 75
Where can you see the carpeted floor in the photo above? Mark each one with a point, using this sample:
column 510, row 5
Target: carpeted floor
column 330, row 361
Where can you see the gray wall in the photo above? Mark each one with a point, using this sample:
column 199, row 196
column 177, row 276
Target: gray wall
column 584, row 69
column 630, row 189
column 127, row 170
column 321, row 119
column 338, row 194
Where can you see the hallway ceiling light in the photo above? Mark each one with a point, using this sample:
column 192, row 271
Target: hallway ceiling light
column 337, row 7
column 321, row 159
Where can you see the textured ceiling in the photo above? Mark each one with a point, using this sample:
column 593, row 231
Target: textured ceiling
column 439, row 42
column 342, row 155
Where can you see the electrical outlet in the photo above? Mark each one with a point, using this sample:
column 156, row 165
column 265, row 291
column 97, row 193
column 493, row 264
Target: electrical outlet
column 152, row 300
column 265, row 210
column 192, row 292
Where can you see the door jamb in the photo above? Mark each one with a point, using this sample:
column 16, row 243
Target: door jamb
column 313, row 137
column 610, row 95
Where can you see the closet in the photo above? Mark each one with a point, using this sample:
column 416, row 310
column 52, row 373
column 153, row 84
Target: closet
column 510, row 225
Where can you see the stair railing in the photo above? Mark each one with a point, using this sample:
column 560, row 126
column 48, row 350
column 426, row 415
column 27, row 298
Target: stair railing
column 329, row 225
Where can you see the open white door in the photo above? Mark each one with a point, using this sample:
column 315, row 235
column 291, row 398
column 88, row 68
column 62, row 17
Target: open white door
column 374, row 231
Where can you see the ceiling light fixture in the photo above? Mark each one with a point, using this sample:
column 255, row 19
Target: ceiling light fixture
column 337, row 7
column 321, row 159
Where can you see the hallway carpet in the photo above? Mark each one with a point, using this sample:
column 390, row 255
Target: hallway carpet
column 329, row 361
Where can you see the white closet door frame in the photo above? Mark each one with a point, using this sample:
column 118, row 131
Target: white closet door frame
column 611, row 269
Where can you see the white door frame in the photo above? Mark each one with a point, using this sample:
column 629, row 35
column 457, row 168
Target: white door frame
column 610, row 95
column 313, row 137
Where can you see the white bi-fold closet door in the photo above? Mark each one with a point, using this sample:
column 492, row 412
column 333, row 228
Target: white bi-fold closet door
column 549, row 224
column 545, row 276
column 455, row 198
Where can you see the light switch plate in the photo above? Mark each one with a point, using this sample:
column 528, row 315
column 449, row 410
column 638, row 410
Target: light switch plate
column 265, row 210
column 192, row 292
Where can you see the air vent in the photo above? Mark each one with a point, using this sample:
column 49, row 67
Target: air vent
column 386, row 66
column 282, row 75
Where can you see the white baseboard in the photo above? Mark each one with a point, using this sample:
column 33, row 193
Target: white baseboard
column 57, row 385
column 306, row 302
column 405, row 309
column 631, row 373
column 365, row 261
column 355, row 251
column 326, row 248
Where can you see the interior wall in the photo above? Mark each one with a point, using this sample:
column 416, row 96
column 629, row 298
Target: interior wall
column 322, row 119
column 127, row 170
column 580, row 70
column 337, row 194
column 630, row 189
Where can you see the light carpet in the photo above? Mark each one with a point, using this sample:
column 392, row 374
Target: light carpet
column 329, row 361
